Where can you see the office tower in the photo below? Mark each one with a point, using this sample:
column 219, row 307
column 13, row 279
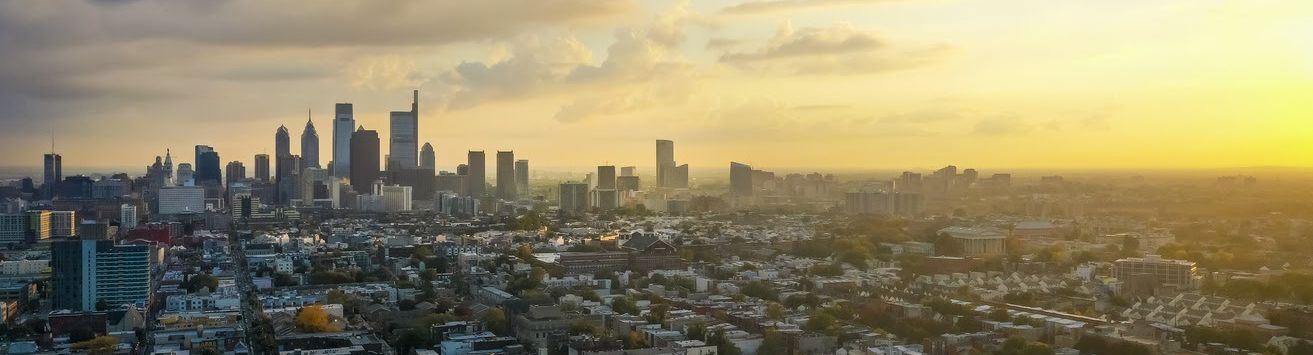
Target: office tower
column 740, row 179
column 234, row 171
column 454, row 183
column 628, row 171
column 506, row 175
column 462, row 169
column 522, row 177
column 318, row 188
column 127, row 216
column 404, row 137
column 627, row 183
column 63, row 224
column 54, row 173
column 186, row 177
column 573, row 198
column 181, row 199
column 477, row 173
column 86, row 272
column 395, row 198
column 309, row 145
column 908, row 182
column 420, row 180
column 207, row 166
column 364, row 160
column 606, row 177
column 427, row 158
column 343, row 121
column 665, row 159
column 167, row 167
column 262, row 167
column 282, row 150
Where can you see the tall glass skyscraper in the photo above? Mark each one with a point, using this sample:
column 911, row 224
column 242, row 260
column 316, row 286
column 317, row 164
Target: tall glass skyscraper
column 309, row 145
column 403, row 143
column 344, row 124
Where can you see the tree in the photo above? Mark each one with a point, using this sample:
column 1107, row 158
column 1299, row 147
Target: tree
column 496, row 322
column 773, row 343
column 723, row 345
column 657, row 314
column 101, row 345
column 313, row 319
column 624, row 305
column 820, row 322
column 775, row 311
column 697, row 331
column 198, row 281
column 336, row 296
column 207, row 349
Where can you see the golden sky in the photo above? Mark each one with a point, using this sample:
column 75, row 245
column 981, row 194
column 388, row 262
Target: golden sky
column 837, row 84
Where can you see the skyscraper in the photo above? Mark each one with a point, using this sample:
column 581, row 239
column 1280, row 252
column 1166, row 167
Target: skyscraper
column 262, row 167
column 282, row 153
column 364, row 160
column 234, row 171
column 506, row 175
column 186, row 176
column 404, row 137
column 86, row 272
column 427, row 158
column 343, row 121
column 740, row 179
column 573, row 198
column 665, row 158
column 606, row 177
column 522, row 177
column 54, row 173
column 475, row 184
column 168, row 167
column 668, row 174
column 127, row 216
column 207, row 166
column 309, row 145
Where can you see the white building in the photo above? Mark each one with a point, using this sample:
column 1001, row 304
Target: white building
column 181, row 199
column 127, row 217
column 396, row 198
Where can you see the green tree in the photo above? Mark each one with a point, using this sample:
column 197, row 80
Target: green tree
column 496, row 322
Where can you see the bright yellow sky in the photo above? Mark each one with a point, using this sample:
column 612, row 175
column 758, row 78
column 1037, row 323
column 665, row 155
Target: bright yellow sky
column 903, row 84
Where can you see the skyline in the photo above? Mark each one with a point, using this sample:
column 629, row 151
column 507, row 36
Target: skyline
column 862, row 85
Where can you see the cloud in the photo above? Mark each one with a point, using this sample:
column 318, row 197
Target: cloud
column 642, row 68
column 274, row 72
column 772, row 6
column 839, row 49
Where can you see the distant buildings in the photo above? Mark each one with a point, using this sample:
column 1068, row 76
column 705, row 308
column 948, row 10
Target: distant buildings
column 87, row 272
column 343, row 125
column 605, row 195
column 475, row 183
column 427, row 158
column 978, row 241
column 740, row 179
column 262, row 167
column 522, row 177
column 882, row 202
column 282, row 163
column 573, row 199
column 404, row 137
column 506, row 175
column 1168, row 272
column 207, row 166
column 181, row 199
column 364, row 160
column 234, row 171
column 668, row 173
column 309, row 145
column 127, row 217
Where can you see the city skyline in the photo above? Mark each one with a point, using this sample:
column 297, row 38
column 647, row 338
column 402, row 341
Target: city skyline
column 780, row 84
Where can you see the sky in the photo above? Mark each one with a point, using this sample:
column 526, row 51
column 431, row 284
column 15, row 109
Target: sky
column 812, row 84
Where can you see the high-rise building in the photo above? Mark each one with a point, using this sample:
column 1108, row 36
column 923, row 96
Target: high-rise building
column 186, row 176
column 740, row 179
column 627, row 183
column 127, row 216
column 234, row 171
column 506, row 175
column 63, row 224
column 573, row 198
column 364, row 160
column 168, row 167
column 665, row 159
column 404, row 137
column 282, row 150
column 606, row 177
column 395, row 198
column 262, row 167
column 628, row 171
column 427, row 158
column 24, row 227
column 475, row 185
column 181, row 199
column 54, row 173
column 87, row 272
column 522, row 177
column 343, row 125
column 309, row 145
column 207, row 166
column 454, row 183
